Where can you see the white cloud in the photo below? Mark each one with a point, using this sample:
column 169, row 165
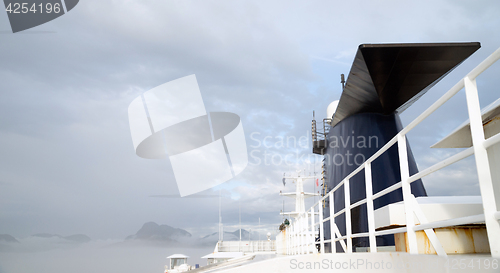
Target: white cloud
column 67, row 162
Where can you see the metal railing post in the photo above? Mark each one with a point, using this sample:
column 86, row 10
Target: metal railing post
column 301, row 234
column 321, row 232
column 297, row 230
column 483, row 166
column 333, row 244
column 294, row 245
column 369, row 207
column 306, row 230
column 312, row 230
column 348, row 226
column 288, row 241
column 407, row 198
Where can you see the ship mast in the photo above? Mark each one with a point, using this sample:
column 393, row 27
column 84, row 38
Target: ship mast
column 299, row 194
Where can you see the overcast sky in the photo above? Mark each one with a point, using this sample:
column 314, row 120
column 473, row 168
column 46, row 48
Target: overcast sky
column 67, row 163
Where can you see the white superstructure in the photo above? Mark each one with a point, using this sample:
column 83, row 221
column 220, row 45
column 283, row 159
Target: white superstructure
column 417, row 222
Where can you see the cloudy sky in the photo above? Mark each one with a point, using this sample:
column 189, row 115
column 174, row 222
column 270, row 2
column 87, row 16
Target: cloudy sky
column 67, row 163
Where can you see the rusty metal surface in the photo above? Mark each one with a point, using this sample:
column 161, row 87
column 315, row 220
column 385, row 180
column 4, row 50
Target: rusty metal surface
column 471, row 239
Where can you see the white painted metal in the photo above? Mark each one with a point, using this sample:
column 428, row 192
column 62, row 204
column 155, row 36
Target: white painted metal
column 338, row 213
column 357, row 235
column 265, row 246
column 495, row 56
column 435, row 209
column 290, row 239
column 321, row 229
column 299, row 195
column 222, row 255
column 299, row 191
column 429, row 232
column 294, row 240
column 307, row 233
column 491, row 214
column 473, row 219
column 483, row 166
column 303, row 233
column 369, row 207
column 332, row 222
column 359, row 203
column 461, row 137
column 407, row 195
column 387, row 190
column 491, row 141
column 177, row 256
column 348, row 226
column 337, row 232
column 313, row 245
column 447, row 162
column 390, row 231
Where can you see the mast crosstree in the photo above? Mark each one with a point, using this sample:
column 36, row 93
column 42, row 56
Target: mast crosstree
column 299, row 194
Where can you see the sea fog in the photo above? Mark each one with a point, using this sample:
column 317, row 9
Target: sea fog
column 95, row 257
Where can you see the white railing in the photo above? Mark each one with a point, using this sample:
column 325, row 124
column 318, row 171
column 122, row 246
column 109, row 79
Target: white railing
column 300, row 235
column 247, row 246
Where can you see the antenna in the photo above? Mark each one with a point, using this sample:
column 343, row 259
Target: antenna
column 221, row 231
column 240, row 218
column 314, row 174
column 283, row 215
column 313, row 129
column 259, row 228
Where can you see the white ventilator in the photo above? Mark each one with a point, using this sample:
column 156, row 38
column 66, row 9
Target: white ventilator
column 204, row 150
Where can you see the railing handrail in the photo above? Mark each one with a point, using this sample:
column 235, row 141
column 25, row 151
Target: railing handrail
column 400, row 137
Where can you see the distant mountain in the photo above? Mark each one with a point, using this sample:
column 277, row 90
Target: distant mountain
column 151, row 231
column 76, row 238
column 46, row 235
column 6, row 238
